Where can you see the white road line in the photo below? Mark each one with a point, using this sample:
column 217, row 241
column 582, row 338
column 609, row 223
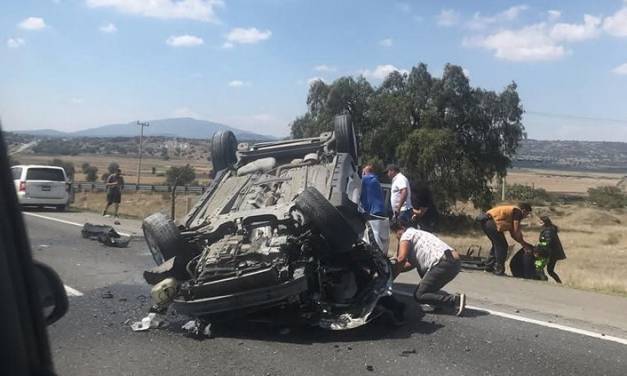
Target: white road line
column 64, row 221
column 72, row 292
column 539, row 322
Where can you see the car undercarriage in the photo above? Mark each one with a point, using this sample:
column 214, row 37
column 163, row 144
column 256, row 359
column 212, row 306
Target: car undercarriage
column 279, row 226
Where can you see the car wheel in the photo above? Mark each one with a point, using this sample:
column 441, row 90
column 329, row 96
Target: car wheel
column 162, row 236
column 61, row 208
column 345, row 139
column 326, row 218
column 223, row 150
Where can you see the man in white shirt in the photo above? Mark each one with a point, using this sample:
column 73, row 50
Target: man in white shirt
column 400, row 194
column 436, row 262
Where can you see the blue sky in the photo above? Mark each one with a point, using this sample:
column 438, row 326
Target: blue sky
column 75, row 64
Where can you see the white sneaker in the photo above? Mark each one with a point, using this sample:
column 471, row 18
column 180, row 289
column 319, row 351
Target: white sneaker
column 461, row 306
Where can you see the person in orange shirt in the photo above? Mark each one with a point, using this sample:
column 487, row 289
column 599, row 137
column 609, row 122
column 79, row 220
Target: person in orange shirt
column 495, row 222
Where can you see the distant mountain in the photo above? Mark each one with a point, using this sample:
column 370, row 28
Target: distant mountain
column 43, row 133
column 175, row 127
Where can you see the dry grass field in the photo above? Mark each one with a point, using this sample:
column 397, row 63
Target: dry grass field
column 567, row 182
column 136, row 204
column 127, row 164
column 594, row 239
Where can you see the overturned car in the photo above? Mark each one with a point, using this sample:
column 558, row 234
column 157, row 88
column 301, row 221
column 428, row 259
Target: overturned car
column 279, row 227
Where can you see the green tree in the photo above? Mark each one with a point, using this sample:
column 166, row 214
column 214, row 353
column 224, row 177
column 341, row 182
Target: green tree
column 67, row 166
column 442, row 131
column 91, row 173
column 113, row 167
column 85, row 167
column 607, row 197
column 180, row 175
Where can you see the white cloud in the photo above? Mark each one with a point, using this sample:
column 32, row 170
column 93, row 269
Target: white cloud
column 239, row 83
column 387, row 42
column 577, row 32
column 32, row 23
column 185, row 112
column 531, row 43
column 553, row 15
column 241, row 35
column 447, row 17
column 480, row 22
column 197, row 10
column 184, row 41
column 108, row 28
column 380, row 72
column 15, row 42
column 77, row 100
column 616, row 24
column 324, row 68
column 620, row 70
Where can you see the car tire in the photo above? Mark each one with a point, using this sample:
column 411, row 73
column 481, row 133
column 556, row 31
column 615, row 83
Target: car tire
column 327, row 219
column 223, row 150
column 162, row 236
column 61, row 208
column 345, row 139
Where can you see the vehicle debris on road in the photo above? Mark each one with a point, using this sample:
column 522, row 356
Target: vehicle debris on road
column 151, row 321
column 105, row 234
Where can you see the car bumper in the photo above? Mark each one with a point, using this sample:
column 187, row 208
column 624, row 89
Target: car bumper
column 252, row 298
column 25, row 200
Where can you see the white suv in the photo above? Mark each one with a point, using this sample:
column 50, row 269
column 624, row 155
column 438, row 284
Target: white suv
column 41, row 186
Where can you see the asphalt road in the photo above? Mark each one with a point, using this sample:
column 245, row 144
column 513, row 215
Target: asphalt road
column 94, row 338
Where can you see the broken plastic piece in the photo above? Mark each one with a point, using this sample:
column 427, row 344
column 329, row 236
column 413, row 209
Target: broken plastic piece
column 198, row 329
column 144, row 324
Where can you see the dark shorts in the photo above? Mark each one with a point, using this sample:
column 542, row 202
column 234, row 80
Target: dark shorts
column 114, row 196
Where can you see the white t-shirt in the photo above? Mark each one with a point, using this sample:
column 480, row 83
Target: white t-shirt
column 400, row 182
column 425, row 250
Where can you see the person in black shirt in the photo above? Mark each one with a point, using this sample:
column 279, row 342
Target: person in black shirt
column 551, row 242
column 424, row 213
column 114, row 186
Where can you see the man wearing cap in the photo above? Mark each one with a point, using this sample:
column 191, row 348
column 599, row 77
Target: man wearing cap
column 400, row 194
column 495, row 222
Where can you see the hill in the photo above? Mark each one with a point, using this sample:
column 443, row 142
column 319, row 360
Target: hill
column 572, row 155
column 175, row 127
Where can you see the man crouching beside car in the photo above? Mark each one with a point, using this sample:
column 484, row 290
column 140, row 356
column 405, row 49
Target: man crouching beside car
column 437, row 264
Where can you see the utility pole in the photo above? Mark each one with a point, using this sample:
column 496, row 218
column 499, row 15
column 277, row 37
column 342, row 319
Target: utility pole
column 141, row 124
column 503, row 183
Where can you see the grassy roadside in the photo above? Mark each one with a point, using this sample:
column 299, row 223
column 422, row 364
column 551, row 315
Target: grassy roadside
column 594, row 239
column 136, row 205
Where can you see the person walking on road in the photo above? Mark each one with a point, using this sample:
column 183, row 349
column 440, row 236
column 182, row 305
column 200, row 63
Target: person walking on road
column 114, row 186
column 550, row 242
column 437, row 264
column 371, row 192
column 400, row 194
column 495, row 222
